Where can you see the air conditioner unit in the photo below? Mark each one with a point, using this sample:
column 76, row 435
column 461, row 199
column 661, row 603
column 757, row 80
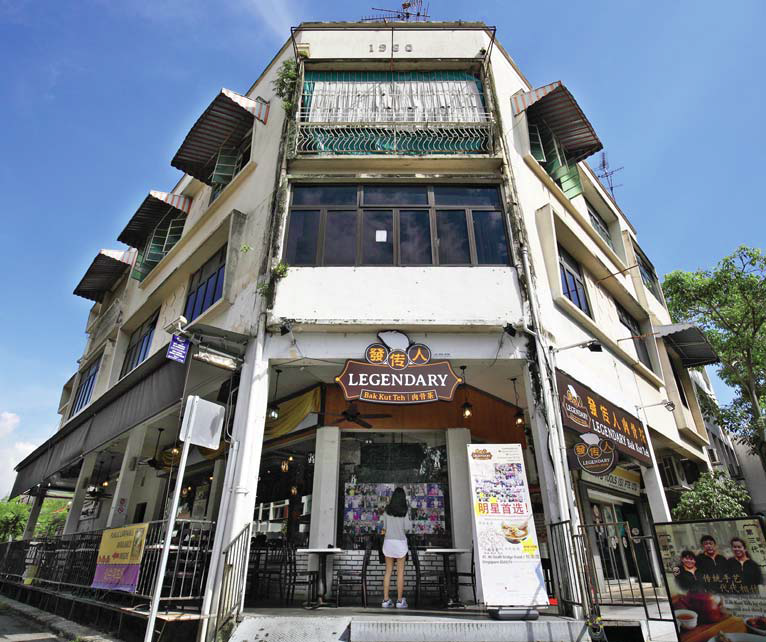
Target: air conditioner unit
column 713, row 455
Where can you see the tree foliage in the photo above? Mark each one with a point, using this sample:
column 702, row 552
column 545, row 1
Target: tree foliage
column 13, row 518
column 14, row 514
column 728, row 303
column 713, row 496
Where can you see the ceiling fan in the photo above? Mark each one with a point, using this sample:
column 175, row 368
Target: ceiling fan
column 154, row 462
column 353, row 415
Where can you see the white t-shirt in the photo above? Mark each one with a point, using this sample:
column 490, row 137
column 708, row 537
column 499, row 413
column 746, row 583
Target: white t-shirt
column 396, row 527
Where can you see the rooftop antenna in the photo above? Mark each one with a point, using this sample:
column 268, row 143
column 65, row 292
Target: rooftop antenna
column 606, row 174
column 411, row 11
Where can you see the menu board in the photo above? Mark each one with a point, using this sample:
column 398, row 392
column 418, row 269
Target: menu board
column 364, row 503
column 509, row 571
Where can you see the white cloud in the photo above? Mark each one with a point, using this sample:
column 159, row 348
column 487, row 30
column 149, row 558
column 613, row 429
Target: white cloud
column 9, row 421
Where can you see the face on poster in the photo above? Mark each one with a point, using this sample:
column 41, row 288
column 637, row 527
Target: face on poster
column 715, row 576
column 507, row 550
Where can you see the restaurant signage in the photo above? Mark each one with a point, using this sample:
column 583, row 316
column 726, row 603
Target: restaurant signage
column 625, row 481
column 398, row 376
column 119, row 558
column 585, row 411
column 509, row 570
column 595, row 455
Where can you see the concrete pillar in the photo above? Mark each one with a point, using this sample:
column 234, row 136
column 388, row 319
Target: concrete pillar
column 119, row 512
column 83, row 481
column 34, row 514
column 324, row 498
column 460, row 497
column 216, row 486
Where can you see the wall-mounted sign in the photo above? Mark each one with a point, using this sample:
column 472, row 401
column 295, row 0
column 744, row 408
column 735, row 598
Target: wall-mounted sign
column 119, row 558
column 596, row 455
column 585, row 411
column 398, row 376
column 178, row 349
column 625, row 481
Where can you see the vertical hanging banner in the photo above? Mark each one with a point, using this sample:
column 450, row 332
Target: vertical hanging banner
column 507, row 554
column 119, row 558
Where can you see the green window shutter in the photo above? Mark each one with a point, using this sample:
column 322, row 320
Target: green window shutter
column 165, row 236
column 142, row 267
column 225, row 166
column 568, row 179
column 536, row 143
column 175, row 229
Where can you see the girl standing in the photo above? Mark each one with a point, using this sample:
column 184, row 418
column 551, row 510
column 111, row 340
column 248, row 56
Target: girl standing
column 396, row 523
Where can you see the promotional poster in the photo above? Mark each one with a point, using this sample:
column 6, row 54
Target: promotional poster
column 715, row 578
column 508, row 565
column 119, row 558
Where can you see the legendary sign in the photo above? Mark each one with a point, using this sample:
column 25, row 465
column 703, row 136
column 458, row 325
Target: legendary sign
column 585, row 411
column 595, row 455
column 398, row 376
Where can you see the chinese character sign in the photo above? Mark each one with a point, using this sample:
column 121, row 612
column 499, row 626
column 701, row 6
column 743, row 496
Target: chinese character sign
column 715, row 576
column 119, row 558
column 509, row 571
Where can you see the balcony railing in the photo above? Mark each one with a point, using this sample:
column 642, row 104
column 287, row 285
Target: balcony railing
column 68, row 562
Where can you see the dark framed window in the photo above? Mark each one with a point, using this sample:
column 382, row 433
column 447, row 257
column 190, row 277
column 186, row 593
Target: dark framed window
column 639, row 342
column 85, row 387
column 572, row 283
column 599, row 224
column 648, row 275
column 206, row 285
column 139, row 344
column 679, row 384
column 383, row 224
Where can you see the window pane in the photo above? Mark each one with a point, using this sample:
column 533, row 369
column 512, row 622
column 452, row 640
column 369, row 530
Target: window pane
column 377, row 238
column 302, row 237
column 395, row 195
column 491, row 243
column 199, row 301
column 209, row 292
column 452, row 232
column 415, row 238
column 340, row 238
column 324, row 195
column 461, row 195
column 219, row 283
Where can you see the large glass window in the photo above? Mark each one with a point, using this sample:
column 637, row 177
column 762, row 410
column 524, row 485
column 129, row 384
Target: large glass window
column 85, row 387
column 139, row 344
column 206, row 285
column 373, row 464
column 396, row 225
column 599, row 224
column 572, row 284
column 639, row 341
column 648, row 275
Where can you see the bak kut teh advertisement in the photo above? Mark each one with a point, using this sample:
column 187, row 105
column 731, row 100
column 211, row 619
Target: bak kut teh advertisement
column 509, row 570
column 715, row 578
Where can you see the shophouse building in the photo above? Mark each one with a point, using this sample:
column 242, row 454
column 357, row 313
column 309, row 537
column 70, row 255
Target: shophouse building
column 416, row 195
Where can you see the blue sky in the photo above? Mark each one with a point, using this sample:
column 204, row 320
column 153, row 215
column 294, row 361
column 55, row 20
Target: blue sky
column 96, row 96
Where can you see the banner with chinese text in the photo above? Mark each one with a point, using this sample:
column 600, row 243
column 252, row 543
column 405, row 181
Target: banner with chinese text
column 714, row 571
column 509, row 571
column 119, row 558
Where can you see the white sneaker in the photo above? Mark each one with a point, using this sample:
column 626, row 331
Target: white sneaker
column 402, row 604
column 388, row 604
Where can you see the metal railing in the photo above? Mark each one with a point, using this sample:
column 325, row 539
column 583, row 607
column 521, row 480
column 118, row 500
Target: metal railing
column 231, row 597
column 405, row 137
column 68, row 562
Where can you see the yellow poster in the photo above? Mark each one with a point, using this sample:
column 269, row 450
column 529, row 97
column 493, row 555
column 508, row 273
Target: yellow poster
column 119, row 558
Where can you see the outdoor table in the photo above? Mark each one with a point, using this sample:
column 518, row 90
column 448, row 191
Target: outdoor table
column 322, row 553
column 453, row 599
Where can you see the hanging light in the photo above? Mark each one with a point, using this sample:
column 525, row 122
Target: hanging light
column 290, row 458
column 174, row 450
column 466, row 408
column 520, row 419
column 293, row 490
column 284, row 466
column 273, row 410
column 105, row 483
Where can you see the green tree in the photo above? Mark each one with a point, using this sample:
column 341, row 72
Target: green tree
column 13, row 518
column 52, row 517
column 713, row 496
column 728, row 303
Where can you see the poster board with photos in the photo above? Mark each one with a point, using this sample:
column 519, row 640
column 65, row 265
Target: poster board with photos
column 714, row 574
column 508, row 566
column 364, row 503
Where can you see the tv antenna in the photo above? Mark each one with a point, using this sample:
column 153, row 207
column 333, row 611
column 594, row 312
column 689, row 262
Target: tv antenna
column 606, row 174
column 411, row 11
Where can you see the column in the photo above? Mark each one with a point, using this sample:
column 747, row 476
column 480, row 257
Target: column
column 460, row 498
column 123, row 487
column 80, row 491
column 29, row 529
column 324, row 498
column 216, row 486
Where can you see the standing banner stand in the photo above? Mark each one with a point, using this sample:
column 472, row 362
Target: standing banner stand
column 201, row 426
column 508, row 568
column 715, row 577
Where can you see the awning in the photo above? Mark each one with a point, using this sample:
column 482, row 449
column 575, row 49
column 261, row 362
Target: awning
column 154, row 208
column 689, row 343
column 149, row 389
column 103, row 273
column 228, row 118
column 559, row 110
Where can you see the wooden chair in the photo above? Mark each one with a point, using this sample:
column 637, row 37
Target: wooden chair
column 346, row 578
column 471, row 576
column 273, row 567
column 423, row 579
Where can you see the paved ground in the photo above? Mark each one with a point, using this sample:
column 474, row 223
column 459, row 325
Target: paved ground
column 18, row 629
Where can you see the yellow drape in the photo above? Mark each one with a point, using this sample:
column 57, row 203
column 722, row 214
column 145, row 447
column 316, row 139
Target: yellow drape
column 292, row 412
